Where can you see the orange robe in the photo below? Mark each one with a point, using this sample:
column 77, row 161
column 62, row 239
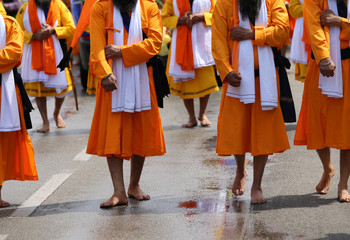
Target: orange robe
column 246, row 127
column 124, row 134
column 16, row 149
column 323, row 121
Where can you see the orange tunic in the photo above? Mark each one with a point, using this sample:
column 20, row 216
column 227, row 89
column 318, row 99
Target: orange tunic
column 323, row 121
column 124, row 134
column 16, row 149
column 246, row 127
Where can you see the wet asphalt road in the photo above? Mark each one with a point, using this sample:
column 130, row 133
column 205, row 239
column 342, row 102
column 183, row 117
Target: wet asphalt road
column 189, row 188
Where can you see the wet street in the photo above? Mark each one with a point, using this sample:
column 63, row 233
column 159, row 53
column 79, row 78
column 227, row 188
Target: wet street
column 190, row 187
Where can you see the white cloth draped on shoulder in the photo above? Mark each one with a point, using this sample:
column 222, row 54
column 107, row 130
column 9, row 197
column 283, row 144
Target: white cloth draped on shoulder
column 267, row 70
column 57, row 81
column 9, row 114
column 201, row 44
column 333, row 86
column 297, row 51
column 133, row 93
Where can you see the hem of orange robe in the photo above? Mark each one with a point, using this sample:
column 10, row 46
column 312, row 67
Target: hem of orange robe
column 25, row 178
column 317, row 147
column 253, row 154
column 126, row 157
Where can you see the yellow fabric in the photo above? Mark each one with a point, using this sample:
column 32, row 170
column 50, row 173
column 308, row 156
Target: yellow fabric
column 246, row 127
column 91, row 83
column 2, row 10
column 205, row 81
column 64, row 30
column 295, row 9
column 300, row 71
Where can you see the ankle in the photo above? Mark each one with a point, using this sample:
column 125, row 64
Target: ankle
column 256, row 186
column 241, row 172
column 134, row 185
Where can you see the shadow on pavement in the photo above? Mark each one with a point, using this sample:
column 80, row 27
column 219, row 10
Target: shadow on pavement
column 337, row 236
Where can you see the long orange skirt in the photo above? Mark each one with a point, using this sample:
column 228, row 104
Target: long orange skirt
column 246, row 128
column 16, row 152
column 125, row 134
column 323, row 121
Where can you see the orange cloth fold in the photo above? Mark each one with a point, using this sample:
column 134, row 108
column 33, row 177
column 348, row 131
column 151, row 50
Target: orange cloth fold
column 184, row 53
column 46, row 56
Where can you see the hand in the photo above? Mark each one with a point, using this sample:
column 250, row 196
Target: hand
column 240, row 34
column 234, row 79
column 44, row 33
column 109, row 84
column 113, row 51
column 327, row 71
column 198, row 17
column 185, row 20
column 328, row 18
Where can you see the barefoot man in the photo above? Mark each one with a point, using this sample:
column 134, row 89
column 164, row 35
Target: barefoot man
column 45, row 23
column 324, row 117
column 16, row 149
column 250, row 118
column 190, row 66
column 126, row 122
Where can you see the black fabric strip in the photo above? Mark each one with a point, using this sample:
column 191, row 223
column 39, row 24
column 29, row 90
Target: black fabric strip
column 345, row 54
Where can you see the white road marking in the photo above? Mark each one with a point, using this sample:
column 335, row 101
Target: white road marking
column 29, row 205
column 3, row 237
column 82, row 156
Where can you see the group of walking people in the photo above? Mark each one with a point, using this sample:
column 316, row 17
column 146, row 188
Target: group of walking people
column 239, row 37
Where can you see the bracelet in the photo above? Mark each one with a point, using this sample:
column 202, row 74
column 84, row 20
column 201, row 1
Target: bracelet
column 326, row 64
column 106, row 76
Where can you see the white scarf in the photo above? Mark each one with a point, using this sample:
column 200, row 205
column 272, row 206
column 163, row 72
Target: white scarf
column 133, row 93
column 297, row 52
column 267, row 70
column 201, row 44
column 57, row 81
column 333, row 86
column 9, row 114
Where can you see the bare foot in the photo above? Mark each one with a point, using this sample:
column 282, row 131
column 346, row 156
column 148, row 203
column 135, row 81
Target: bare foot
column 44, row 128
column 204, row 121
column 137, row 193
column 257, row 196
column 190, row 124
column 323, row 185
column 4, row 204
column 343, row 194
column 59, row 121
column 238, row 186
column 114, row 201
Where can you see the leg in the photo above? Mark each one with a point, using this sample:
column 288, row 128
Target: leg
column 238, row 187
column 192, row 122
column 343, row 192
column 41, row 103
column 119, row 197
column 2, row 202
column 134, row 190
column 328, row 171
column 256, row 191
column 56, row 114
column 203, row 106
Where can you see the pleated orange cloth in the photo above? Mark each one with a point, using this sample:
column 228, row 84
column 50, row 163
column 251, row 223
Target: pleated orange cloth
column 125, row 134
column 16, row 149
column 323, row 121
column 243, row 127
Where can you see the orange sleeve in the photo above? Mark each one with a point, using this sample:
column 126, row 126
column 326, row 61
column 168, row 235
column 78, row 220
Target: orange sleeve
column 296, row 9
column 168, row 15
column 319, row 45
column 220, row 31
column 66, row 27
column 11, row 55
column 98, row 39
column 2, row 10
column 277, row 33
column 345, row 30
column 141, row 52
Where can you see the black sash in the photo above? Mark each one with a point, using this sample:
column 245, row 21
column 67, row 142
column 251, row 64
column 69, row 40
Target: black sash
column 27, row 105
column 160, row 79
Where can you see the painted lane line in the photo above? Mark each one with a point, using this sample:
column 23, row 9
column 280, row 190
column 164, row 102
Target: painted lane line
column 29, row 205
column 3, row 237
column 82, row 156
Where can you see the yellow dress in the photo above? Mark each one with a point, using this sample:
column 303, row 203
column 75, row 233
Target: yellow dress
column 2, row 10
column 205, row 81
column 296, row 11
column 65, row 29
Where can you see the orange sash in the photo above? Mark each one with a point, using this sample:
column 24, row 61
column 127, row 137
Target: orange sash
column 48, row 53
column 184, row 51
